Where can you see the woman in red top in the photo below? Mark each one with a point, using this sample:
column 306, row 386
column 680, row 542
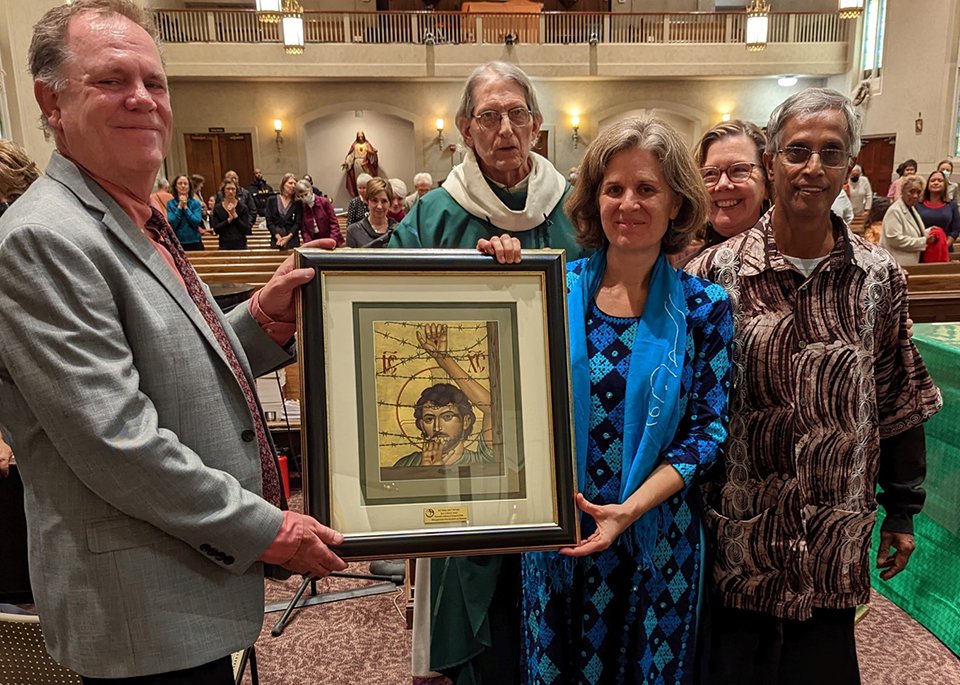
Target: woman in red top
column 936, row 210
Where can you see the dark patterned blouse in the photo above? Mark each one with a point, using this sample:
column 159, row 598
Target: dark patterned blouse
column 823, row 370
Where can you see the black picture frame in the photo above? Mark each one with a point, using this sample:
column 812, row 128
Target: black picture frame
column 343, row 490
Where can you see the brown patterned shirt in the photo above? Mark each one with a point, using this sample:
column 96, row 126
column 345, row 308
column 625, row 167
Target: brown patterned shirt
column 822, row 369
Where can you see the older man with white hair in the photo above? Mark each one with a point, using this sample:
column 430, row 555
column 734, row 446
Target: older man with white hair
column 422, row 184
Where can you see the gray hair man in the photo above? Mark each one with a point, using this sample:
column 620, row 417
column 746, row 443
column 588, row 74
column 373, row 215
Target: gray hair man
column 829, row 398
column 422, row 184
column 151, row 486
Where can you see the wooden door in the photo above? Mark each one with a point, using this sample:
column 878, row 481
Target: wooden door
column 203, row 156
column 876, row 159
column 213, row 154
column 236, row 153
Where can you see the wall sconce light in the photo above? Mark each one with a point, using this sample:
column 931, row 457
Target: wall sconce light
column 918, row 124
column 725, row 117
column 850, row 9
column 575, row 122
column 278, row 128
column 758, row 21
column 268, row 11
column 440, row 133
column 510, row 39
column 594, row 38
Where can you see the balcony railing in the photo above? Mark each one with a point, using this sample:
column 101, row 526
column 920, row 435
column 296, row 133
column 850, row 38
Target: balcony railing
column 438, row 28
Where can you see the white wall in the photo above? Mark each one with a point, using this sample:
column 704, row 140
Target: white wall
column 327, row 140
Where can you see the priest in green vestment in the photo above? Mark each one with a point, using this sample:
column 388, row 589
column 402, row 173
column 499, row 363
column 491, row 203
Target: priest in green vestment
column 467, row 609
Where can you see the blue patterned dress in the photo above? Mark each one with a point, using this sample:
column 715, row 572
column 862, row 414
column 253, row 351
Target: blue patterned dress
column 623, row 616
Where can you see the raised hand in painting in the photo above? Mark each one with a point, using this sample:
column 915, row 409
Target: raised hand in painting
column 433, row 339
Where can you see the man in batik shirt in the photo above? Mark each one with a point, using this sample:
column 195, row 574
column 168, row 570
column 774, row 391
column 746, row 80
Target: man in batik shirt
column 829, row 400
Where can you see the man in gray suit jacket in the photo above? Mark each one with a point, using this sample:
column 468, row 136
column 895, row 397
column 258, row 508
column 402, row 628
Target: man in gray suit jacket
column 127, row 392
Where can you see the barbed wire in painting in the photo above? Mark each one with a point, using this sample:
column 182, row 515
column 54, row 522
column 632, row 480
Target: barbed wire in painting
column 413, row 357
column 464, row 354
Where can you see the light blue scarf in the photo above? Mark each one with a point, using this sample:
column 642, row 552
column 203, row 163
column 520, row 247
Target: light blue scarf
column 652, row 409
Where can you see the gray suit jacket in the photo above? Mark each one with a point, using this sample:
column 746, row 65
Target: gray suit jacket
column 140, row 467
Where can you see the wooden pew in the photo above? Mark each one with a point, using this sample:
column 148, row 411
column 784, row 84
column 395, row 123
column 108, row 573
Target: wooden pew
column 934, row 291
column 256, row 278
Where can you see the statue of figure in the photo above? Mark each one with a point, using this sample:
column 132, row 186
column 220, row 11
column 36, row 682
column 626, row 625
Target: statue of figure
column 362, row 157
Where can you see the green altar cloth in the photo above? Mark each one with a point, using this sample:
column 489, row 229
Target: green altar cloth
column 929, row 588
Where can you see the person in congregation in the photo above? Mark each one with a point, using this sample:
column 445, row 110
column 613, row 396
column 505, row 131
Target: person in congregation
column 243, row 195
column 842, row 207
column 422, row 184
column 946, row 168
column 936, row 209
column 185, row 214
column 196, row 191
column 17, row 173
column 128, row 395
column 860, row 192
column 162, row 195
column 319, row 217
column 260, row 190
column 907, row 168
column 397, row 210
column 622, row 606
column 309, row 179
column 375, row 229
column 829, row 399
column 284, row 215
column 501, row 192
column 230, row 218
column 357, row 209
column 904, row 234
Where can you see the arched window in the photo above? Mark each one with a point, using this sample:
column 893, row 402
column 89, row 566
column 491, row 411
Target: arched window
column 874, row 21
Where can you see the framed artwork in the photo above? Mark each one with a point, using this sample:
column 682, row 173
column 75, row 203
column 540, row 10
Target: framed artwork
column 436, row 413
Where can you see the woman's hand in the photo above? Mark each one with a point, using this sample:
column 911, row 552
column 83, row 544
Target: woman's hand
column 505, row 248
column 612, row 519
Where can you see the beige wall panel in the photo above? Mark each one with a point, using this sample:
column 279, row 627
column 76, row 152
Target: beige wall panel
column 919, row 75
column 399, row 116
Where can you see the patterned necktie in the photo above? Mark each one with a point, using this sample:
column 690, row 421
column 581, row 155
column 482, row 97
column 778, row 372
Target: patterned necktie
column 268, row 463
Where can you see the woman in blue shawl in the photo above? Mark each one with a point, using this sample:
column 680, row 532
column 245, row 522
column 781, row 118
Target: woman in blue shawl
column 651, row 375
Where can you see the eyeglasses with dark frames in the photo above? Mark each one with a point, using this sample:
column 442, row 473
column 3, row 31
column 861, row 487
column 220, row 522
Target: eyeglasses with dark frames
column 831, row 157
column 738, row 172
column 491, row 118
